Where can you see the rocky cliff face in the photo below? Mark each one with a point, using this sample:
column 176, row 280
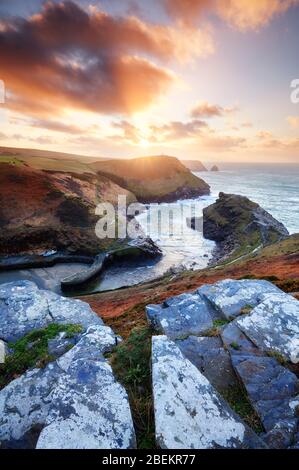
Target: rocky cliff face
column 51, row 210
column 194, row 165
column 239, row 226
column 154, row 179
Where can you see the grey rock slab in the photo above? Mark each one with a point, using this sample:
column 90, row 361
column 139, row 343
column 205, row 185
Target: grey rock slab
column 229, row 297
column 25, row 403
column 61, row 344
column 210, row 357
column 189, row 413
column 24, row 307
column 274, row 325
column 179, row 318
column 97, row 341
column 23, row 310
column 89, row 410
column 74, row 402
column 271, row 388
column 65, row 310
column 10, row 288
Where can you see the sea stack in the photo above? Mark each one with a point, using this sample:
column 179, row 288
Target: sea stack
column 215, row 168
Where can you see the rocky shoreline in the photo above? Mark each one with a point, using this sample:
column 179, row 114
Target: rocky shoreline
column 239, row 227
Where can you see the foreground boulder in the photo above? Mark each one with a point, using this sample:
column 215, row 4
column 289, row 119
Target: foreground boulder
column 24, row 307
column 230, row 297
column 272, row 388
column 188, row 314
column 74, row 401
column 274, row 325
column 193, row 314
column 239, row 226
column 246, row 355
column 189, row 413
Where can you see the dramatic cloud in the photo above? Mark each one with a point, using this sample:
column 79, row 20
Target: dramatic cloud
column 242, row 14
column 65, row 57
column 187, row 10
column 206, row 110
column 253, row 14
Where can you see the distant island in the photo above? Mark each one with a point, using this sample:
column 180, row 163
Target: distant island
column 215, row 168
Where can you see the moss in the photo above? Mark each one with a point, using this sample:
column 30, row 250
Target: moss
column 235, row 345
column 216, row 329
column 131, row 364
column 11, row 160
column 279, row 357
column 32, row 351
column 220, row 323
column 246, row 309
column 238, row 400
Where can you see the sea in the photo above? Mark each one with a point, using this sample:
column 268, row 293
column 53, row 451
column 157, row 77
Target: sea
column 275, row 188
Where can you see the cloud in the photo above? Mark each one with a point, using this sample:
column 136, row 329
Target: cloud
column 263, row 135
column 293, row 121
column 177, row 130
column 66, row 57
column 206, row 110
column 253, row 14
column 56, row 126
column 241, row 14
column 130, row 132
column 187, row 10
column 222, row 143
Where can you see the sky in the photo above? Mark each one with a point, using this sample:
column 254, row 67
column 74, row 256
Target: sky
column 197, row 79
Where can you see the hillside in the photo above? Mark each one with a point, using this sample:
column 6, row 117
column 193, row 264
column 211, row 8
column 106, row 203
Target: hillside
column 42, row 210
column 48, row 160
column 49, row 203
column 154, row 179
column 194, row 165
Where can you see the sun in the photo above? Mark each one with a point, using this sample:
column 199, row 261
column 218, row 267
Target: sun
column 144, row 143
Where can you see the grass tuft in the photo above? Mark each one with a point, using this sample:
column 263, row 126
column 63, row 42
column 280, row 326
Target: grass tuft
column 32, row 351
column 131, row 363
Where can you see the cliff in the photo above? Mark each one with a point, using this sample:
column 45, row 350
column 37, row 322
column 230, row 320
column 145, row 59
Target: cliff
column 240, row 226
column 194, row 165
column 46, row 210
column 153, row 179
